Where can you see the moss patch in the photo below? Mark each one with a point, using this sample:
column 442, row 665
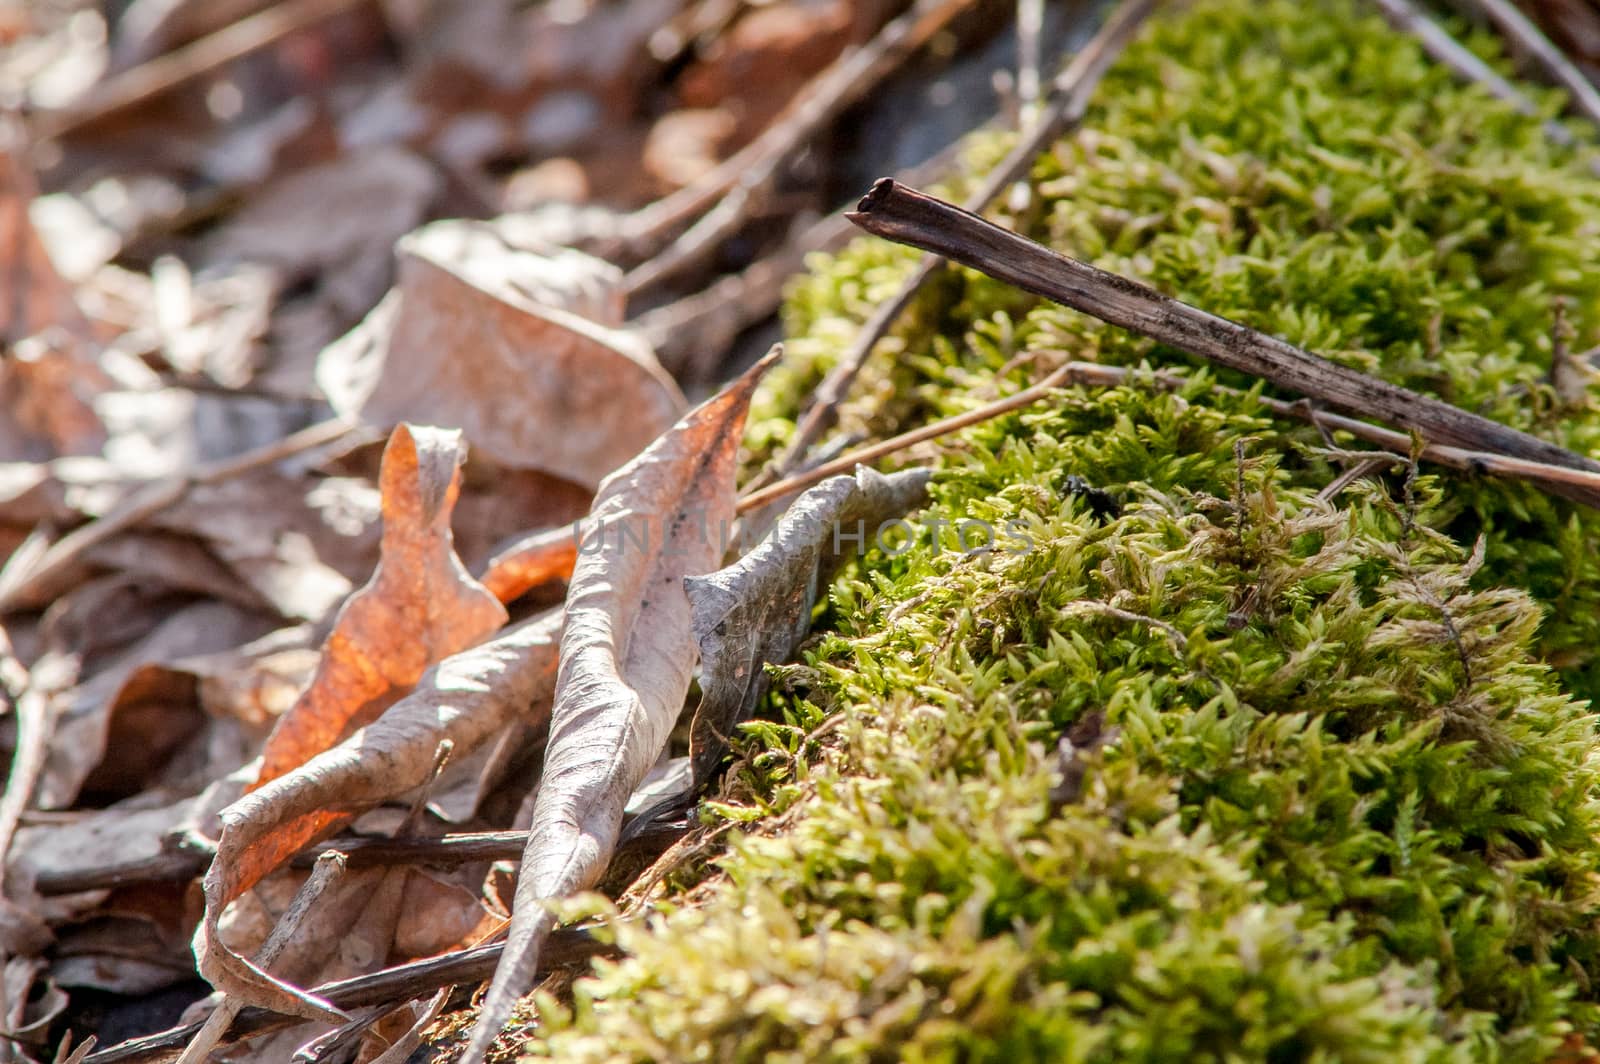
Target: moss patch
column 1240, row 772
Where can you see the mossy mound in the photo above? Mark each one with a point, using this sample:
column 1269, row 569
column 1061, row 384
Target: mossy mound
column 1242, row 768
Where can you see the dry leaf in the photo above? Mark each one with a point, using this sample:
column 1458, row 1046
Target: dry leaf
column 626, row 658
column 533, row 561
column 486, row 330
column 80, row 743
column 419, row 606
column 465, row 699
column 335, row 223
column 757, row 610
column 50, row 377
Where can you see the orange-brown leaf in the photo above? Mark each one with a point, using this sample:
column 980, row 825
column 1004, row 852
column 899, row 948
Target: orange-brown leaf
column 465, row 699
column 420, row 605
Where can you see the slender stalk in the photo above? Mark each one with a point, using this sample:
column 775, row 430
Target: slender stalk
column 1064, row 109
column 872, row 452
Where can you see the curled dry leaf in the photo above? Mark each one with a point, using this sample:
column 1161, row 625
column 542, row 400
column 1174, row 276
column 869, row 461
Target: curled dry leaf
column 758, row 610
column 419, row 606
column 465, row 699
column 512, row 339
column 626, row 659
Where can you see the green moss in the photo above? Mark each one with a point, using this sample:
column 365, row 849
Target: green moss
column 1323, row 798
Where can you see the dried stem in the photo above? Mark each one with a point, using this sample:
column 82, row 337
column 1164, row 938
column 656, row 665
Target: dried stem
column 1069, row 100
column 1526, row 39
column 691, row 335
column 893, row 211
column 872, row 452
column 462, row 848
column 130, row 88
column 27, row 577
column 1403, row 15
column 327, row 871
column 733, row 189
column 564, row 949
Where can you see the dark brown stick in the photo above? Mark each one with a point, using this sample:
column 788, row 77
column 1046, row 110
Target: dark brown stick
column 909, row 217
column 462, row 848
column 564, row 949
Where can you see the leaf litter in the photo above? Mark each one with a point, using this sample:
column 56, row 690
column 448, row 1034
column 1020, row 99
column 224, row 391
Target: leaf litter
column 251, row 636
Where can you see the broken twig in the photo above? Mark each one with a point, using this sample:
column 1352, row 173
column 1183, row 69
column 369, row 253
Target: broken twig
column 735, row 185
column 22, row 580
column 1443, row 48
column 124, row 91
column 564, row 949
column 904, row 215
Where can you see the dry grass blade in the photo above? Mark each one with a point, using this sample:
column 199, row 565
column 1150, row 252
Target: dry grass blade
column 874, row 451
column 25, row 580
column 626, row 658
column 34, row 699
column 1405, row 16
column 1397, row 444
column 327, row 871
column 464, row 699
column 133, row 87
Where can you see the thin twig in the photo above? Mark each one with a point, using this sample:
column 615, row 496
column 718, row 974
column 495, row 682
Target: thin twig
column 735, row 186
column 130, row 88
column 1030, row 26
column 327, row 871
column 872, row 452
column 565, row 948
column 1069, row 101
column 444, row 851
column 1107, row 609
column 1398, row 444
column 36, row 705
column 1526, row 38
column 691, row 335
column 23, row 581
column 890, row 210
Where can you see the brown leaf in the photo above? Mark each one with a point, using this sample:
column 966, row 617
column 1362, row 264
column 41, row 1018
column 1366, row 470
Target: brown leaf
column 533, row 561
column 487, row 330
column 465, row 699
column 50, row 377
column 419, row 606
column 128, row 681
column 757, row 610
column 335, row 223
column 626, row 658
